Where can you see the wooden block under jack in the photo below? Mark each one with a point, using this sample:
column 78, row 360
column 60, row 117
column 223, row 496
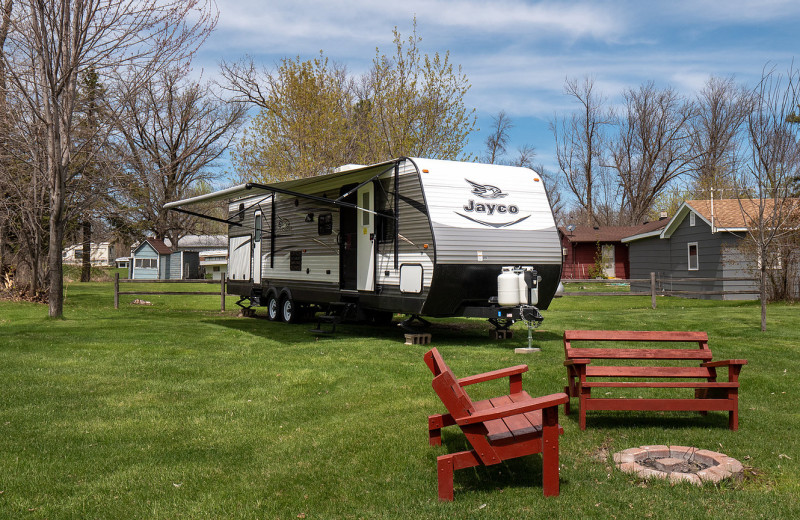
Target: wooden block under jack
column 501, row 334
column 418, row 339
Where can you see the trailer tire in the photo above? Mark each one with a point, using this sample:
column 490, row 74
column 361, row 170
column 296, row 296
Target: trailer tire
column 290, row 313
column 273, row 307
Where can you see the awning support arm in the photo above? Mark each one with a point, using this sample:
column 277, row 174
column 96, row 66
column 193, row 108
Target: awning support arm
column 208, row 217
column 342, row 197
column 335, row 202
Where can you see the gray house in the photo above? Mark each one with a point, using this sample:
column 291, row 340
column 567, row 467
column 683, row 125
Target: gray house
column 152, row 259
column 700, row 242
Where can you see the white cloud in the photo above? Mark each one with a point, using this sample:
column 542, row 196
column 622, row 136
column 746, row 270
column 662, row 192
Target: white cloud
column 289, row 25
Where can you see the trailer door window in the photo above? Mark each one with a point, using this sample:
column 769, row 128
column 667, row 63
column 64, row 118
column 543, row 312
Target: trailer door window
column 365, row 205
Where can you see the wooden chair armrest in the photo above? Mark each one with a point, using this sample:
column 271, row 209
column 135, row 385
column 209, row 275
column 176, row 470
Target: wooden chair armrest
column 494, row 374
column 528, row 405
column 724, row 363
column 577, row 361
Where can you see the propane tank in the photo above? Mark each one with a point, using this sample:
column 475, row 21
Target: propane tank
column 508, row 289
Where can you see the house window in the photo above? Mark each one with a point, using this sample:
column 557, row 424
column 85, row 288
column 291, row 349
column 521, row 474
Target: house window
column 692, row 217
column 145, row 263
column 694, row 263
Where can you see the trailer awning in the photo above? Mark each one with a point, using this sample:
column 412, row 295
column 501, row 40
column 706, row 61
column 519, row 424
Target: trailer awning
column 301, row 188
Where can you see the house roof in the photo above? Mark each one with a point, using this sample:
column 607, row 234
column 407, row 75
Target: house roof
column 733, row 214
column 609, row 233
column 160, row 247
column 727, row 214
column 649, row 229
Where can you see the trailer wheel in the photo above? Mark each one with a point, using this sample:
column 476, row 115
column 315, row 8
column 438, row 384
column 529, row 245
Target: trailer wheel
column 289, row 312
column 273, row 308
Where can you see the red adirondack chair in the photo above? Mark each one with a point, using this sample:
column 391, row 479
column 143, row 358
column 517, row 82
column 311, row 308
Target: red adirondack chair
column 498, row 429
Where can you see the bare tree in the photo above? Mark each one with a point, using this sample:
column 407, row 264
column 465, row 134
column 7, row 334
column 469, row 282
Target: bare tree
column 652, row 148
column 579, row 141
column 772, row 217
column 498, row 137
column 722, row 108
column 25, row 201
column 5, row 25
column 51, row 42
column 171, row 132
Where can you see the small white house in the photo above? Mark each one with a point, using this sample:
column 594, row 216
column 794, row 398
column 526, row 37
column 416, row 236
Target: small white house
column 154, row 260
column 215, row 262
column 101, row 254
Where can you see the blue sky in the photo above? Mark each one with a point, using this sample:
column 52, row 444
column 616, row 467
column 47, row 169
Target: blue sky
column 517, row 53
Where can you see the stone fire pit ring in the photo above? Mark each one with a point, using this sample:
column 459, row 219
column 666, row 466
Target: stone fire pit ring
column 678, row 464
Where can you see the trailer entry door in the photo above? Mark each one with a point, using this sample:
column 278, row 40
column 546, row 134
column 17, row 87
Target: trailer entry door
column 366, row 238
column 348, row 227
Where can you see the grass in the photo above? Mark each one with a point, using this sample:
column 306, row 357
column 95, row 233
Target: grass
column 179, row 411
column 593, row 287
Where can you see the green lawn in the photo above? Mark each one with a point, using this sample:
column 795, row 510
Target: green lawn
column 176, row 410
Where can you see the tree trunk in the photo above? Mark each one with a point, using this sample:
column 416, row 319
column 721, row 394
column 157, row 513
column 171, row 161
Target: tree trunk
column 55, row 295
column 763, row 299
column 86, row 256
column 2, row 249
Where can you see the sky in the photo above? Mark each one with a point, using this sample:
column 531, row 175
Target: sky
column 517, row 53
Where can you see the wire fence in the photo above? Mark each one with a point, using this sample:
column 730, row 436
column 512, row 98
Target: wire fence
column 661, row 286
column 118, row 281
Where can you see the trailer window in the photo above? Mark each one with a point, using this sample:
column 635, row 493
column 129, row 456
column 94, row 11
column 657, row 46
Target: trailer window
column 385, row 226
column 258, row 228
column 325, row 224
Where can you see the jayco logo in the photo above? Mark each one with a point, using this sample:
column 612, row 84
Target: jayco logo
column 487, row 191
column 489, row 209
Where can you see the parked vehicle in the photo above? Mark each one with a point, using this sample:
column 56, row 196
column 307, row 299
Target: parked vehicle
column 416, row 236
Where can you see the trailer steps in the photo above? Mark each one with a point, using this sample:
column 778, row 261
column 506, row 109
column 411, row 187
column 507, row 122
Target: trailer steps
column 336, row 313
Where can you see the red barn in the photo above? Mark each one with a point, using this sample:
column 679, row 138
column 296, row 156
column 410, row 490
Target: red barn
column 586, row 248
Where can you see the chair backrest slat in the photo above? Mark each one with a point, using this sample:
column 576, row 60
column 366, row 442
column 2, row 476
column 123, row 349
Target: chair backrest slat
column 435, row 362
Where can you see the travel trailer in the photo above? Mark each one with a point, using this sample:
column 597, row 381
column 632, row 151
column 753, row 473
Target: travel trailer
column 421, row 237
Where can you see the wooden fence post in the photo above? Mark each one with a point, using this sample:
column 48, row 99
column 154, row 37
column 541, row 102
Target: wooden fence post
column 653, row 289
column 222, row 292
column 116, row 290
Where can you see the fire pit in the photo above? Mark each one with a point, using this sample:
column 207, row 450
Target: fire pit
column 678, row 463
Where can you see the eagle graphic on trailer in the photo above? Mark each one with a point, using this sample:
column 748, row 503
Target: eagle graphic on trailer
column 422, row 237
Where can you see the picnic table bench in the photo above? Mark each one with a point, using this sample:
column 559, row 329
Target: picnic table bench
column 643, row 368
column 498, row 429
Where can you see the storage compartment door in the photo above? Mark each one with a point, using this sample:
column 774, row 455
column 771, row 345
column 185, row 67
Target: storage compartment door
column 239, row 250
